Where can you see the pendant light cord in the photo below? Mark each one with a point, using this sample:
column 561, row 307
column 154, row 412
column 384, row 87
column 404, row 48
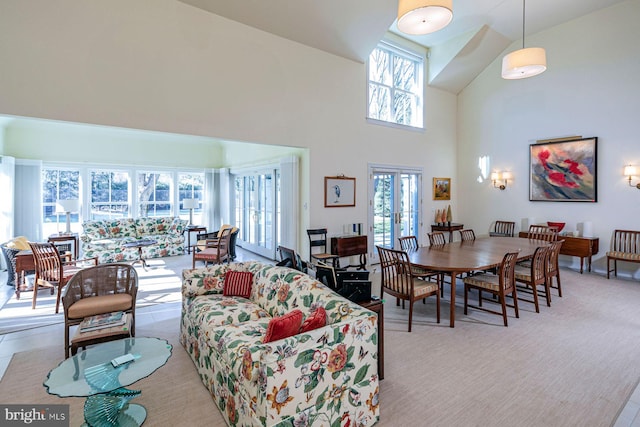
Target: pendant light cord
column 523, row 7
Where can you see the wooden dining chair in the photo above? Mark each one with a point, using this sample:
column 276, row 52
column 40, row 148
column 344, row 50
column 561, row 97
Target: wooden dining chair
column 500, row 285
column 543, row 232
column 467, row 235
column 535, row 275
column 51, row 271
column 553, row 269
column 410, row 243
column 503, row 229
column 399, row 281
column 436, row 238
column 215, row 251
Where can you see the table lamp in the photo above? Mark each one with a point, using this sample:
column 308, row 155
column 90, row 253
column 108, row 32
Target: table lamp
column 190, row 204
column 68, row 206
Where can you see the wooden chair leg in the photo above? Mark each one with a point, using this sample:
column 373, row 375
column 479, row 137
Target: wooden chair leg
column 535, row 298
column 515, row 303
column 410, row 313
column 438, row 306
column 503, row 302
column 466, row 298
column 559, row 286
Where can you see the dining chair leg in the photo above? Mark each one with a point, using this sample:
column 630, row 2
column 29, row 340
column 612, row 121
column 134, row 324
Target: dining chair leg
column 535, row 298
column 410, row 312
column 466, row 298
column 438, row 306
column 504, row 310
column 515, row 303
column 479, row 298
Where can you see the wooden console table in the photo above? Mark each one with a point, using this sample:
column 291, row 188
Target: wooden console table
column 582, row 247
column 447, row 226
column 349, row 246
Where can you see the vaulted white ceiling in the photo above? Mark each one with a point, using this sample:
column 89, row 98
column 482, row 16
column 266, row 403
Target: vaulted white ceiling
column 479, row 32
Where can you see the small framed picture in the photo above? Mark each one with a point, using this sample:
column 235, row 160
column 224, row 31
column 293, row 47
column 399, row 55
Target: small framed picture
column 339, row 191
column 441, row 188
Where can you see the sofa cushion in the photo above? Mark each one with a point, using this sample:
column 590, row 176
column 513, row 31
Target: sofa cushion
column 122, row 227
column 101, row 304
column 94, row 230
column 237, row 283
column 283, row 326
column 215, row 310
column 317, row 319
column 20, row 243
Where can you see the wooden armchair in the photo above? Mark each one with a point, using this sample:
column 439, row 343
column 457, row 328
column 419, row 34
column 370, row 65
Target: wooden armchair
column 542, row 232
column 215, row 250
column 535, row 275
column 410, row 243
column 467, row 235
column 96, row 290
column 399, row 281
column 51, row 271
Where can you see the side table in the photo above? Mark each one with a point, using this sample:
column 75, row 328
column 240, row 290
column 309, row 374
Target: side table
column 447, row 226
column 73, row 237
column 377, row 306
column 83, row 339
column 191, row 229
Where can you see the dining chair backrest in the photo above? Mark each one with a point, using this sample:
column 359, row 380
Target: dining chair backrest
column 408, row 243
column 542, row 232
column 467, row 235
column 396, row 272
column 503, row 229
column 539, row 265
column 506, row 271
column 436, row 238
column 554, row 251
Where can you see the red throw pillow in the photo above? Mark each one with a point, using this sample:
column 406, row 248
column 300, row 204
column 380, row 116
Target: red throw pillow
column 283, row 326
column 237, row 283
column 316, row 320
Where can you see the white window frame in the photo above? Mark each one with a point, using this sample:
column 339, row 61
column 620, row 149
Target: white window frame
column 405, row 53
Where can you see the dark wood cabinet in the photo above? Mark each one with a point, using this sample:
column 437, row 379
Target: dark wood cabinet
column 350, row 245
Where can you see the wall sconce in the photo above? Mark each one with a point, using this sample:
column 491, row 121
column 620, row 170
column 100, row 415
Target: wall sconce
column 497, row 177
column 630, row 171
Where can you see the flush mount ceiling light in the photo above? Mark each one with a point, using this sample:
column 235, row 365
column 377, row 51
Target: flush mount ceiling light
column 419, row 17
column 524, row 63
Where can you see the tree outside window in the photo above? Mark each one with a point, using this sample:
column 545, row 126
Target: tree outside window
column 395, row 86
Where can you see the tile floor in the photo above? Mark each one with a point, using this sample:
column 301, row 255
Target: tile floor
column 147, row 317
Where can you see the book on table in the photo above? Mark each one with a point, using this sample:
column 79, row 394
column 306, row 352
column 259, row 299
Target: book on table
column 102, row 321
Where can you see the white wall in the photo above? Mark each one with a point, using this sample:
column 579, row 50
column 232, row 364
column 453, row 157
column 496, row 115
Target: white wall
column 590, row 88
column 163, row 65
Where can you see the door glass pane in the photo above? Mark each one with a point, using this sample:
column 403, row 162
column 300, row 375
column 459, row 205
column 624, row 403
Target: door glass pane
column 383, row 209
column 409, row 205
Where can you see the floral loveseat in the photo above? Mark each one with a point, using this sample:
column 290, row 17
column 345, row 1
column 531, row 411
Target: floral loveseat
column 324, row 377
column 105, row 239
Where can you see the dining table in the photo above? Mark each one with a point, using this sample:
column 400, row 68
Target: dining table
column 483, row 253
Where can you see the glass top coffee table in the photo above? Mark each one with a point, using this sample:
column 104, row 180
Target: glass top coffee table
column 91, row 374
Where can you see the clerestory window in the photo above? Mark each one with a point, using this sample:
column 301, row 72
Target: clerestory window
column 395, row 89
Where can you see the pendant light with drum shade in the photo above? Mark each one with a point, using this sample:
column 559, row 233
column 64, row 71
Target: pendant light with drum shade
column 524, row 63
column 419, row 17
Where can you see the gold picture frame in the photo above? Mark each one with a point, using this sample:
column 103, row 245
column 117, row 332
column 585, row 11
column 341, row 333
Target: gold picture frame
column 441, row 188
column 339, row 191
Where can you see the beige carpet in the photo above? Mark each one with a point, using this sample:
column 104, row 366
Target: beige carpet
column 574, row 364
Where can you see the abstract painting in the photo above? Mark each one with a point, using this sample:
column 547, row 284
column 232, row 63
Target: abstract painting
column 563, row 171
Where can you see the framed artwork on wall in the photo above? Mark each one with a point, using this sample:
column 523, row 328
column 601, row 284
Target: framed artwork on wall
column 441, row 188
column 563, row 171
column 339, row 191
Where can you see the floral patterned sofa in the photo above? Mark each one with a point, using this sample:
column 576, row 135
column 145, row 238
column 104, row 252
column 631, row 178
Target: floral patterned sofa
column 324, row 377
column 105, row 239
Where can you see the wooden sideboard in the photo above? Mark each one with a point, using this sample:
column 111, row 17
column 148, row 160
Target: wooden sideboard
column 449, row 227
column 349, row 246
column 582, row 247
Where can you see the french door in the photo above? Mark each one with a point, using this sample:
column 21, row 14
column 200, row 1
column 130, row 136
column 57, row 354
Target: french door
column 395, row 206
column 257, row 207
